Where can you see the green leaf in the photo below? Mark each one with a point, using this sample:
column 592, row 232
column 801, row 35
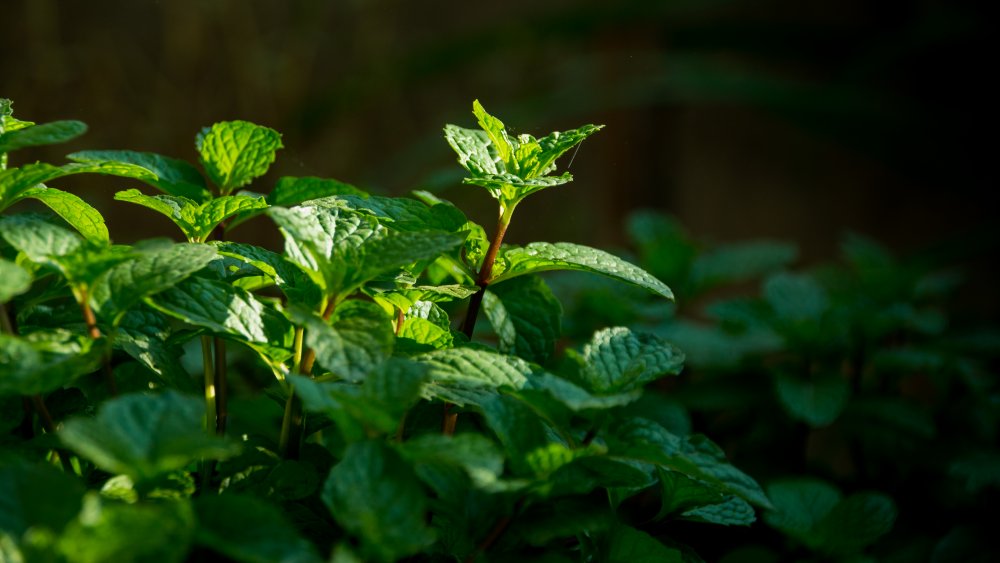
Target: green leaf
column 126, row 284
column 14, row 280
column 857, row 522
column 37, row 497
column 459, row 375
column 350, row 249
column 14, row 181
column 574, row 397
column 526, row 316
column 296, row 284
column 39, row 239
column 814, row 513
column 224, row 310
column 155, row 353
column 628, row 544
column 517, row 426
column 196, row 221
column 475, row 454
column 680, row 493
column 543, row 256
column 554, row 145
column 617, row 359
column 497, row 134
column 374, row 407
column 734, row 511
column 375, row 495
column 78, row 213
column 234, row 153
column 45, row 361
column 979, row 470
column 695, row 456
column 249, row 530
column 800, row 505
column 174, row 177
column 740, row 262
column 817, row 402
column 44, row 134
column 473, row 148
column 129, row 533
column 795, row 297
column 144, row 436
column 400, row 213
column 358, row 342
column 291, row 190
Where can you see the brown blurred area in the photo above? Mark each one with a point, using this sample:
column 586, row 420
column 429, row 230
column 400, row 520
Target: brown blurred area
column 795, row 120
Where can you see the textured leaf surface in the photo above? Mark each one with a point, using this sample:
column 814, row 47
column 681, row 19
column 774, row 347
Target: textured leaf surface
column 14, row 280
column 526, row 316
column 128, row 283
column 354, row 345
column 401, row 213
column 249, row 530
column 544, row 256
column 43, row 134
column 39, row 239
column 143, row 436
column 14, row 181
column 458, row 370
column 376, row 496
column 234, row 153
column 173, row 176
column 349, row 248
column 296, row 284
column 292, row 190
column 475, row 454
column 734, row 511
column 617, row 359
column 196, row 221
column 78, row 213
column 224, row 309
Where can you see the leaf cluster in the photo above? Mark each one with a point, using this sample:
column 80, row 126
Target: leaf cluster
column 336, row 412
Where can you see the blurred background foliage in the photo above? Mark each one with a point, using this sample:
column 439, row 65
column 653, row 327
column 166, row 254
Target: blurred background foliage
column 741, row 118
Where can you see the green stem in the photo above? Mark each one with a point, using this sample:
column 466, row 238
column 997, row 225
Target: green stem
column 221, row 369
column 208, row 366
column 6, row 325
column 221, row 387
column 292, row 423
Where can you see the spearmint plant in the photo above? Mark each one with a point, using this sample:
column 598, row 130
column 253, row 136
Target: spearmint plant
column 328, row 440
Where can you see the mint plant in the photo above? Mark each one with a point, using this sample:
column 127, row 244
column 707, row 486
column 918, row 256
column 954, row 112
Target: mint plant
column 837, row 378
column 326, row 442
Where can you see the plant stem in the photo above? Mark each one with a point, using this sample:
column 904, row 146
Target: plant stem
column 208, row 366
column 221, row 369
column 95, row 334
column 36, row 402
column 292, row 423
column 221, row 387
column 50, row 428
column 498, row 529
column 485, row 272
column 450, row 419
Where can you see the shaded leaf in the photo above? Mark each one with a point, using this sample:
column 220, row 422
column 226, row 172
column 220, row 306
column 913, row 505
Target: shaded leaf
column 376, row 496
column 144, row 436
column 173, row 176
column 249, row 530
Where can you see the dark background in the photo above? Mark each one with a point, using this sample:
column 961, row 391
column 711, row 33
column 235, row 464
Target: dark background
column 794, row 120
